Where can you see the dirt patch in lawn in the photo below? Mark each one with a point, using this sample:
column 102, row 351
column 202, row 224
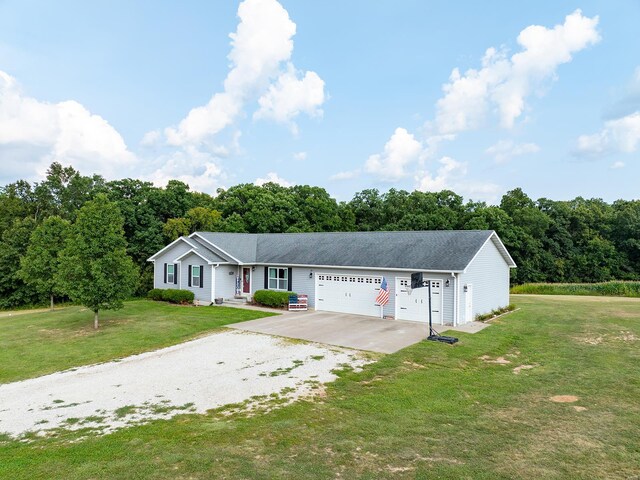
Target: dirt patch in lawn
column 497, row 361
column 564, row 399
column 519, row 369
column 621, row 336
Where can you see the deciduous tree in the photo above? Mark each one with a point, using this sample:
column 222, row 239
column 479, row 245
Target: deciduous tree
column 95, row 269
column 40, row 265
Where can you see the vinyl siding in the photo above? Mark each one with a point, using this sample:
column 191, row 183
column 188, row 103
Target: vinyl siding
column 302, row 284
column 202, row 294
column 168, row 257
column 225, row 283
column 488, row 273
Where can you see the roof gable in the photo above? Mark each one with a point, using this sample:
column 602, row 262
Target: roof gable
column 168, row 247
column 206, row 255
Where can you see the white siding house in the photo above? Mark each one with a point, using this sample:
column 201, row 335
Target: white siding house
column 343, row 272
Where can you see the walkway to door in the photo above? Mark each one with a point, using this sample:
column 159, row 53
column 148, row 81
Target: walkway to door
column 341, row 329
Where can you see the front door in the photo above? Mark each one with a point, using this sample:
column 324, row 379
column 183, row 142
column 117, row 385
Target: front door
column 246, row 280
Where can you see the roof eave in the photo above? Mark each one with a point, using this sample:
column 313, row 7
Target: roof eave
column 359, row 267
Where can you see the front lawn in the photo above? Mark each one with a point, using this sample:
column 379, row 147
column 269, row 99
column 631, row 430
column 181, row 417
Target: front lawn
column 481, row 409
column 33, row 344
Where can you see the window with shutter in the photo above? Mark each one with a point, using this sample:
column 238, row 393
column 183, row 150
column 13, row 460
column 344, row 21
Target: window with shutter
column 170, row 273
column 278, row 278
column 196, row 275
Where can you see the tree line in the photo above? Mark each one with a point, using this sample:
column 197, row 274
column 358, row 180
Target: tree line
column 579, row 240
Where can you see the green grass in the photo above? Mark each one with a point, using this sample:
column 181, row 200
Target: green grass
column 609, row 289
column 428, row 411
column 33, row 344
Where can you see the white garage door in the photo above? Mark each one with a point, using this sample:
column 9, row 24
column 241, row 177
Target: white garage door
column 348, row 293
column 415, row 306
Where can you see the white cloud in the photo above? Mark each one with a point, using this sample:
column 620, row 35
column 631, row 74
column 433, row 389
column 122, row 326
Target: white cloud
column 37, row 133
column 400, row 151
column 503, row 83
column 292, row 95
column 200, row 170
column 272, row 177
column 619, row 135
column 504, row 150
column 451, row 175
column 262, row 43
column 347, row 175
column 617, row 165
column 300, row 156
column 151, row 138
column 449, row 170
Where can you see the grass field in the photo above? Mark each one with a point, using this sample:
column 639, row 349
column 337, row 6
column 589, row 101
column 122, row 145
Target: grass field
column 428, row 411
column 609, row 289
column 33, row 344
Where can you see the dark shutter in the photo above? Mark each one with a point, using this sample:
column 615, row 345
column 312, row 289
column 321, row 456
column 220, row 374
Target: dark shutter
column 189, row 275
column 266, row 278
column 201, row 276
column 290, row 280
column 175, row 273
column 165, row 273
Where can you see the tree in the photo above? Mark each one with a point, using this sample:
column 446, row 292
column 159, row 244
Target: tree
column 176, row 228
column 203, row 219
column 94, row 267
column 13, row 290
column 40, row 264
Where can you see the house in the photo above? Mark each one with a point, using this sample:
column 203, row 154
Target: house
column 343, row 272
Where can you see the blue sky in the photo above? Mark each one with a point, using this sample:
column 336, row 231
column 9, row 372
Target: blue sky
column 345, row 95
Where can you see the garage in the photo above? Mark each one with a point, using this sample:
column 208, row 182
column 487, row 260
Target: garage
column 413, row 304
column 348, row 293
column 342, row 272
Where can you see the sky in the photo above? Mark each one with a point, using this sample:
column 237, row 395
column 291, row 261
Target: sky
column 475, row 97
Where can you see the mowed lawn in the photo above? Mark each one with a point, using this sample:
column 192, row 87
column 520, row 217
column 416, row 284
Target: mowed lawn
column 428, row 411
column 34, row 344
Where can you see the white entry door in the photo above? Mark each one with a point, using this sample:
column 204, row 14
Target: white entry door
column 468, row 303
column 348, row 293
column 415, row 306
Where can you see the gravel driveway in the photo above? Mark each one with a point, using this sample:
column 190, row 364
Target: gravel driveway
column 223, row 368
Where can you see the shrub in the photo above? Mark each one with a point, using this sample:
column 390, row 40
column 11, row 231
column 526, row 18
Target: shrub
column 155, row 294
column 171, row 295
column 271, row 298
column 178, row 296
column 495, row 313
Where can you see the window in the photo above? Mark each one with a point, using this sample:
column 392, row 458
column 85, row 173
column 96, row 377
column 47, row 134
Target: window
column 278, row 278
column 170, row 273
column 195, row 275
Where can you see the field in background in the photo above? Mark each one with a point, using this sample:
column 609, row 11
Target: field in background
column 548, row 391
column 610, row 289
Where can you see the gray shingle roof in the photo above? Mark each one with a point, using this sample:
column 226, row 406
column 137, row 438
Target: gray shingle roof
column 445, row 250
column 241, row 246
column 210, row 256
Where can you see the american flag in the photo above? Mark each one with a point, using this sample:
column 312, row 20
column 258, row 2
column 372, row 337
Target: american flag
column 383, row 294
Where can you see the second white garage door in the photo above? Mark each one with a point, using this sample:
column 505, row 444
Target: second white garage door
column 348, row 294
column 415, row 306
